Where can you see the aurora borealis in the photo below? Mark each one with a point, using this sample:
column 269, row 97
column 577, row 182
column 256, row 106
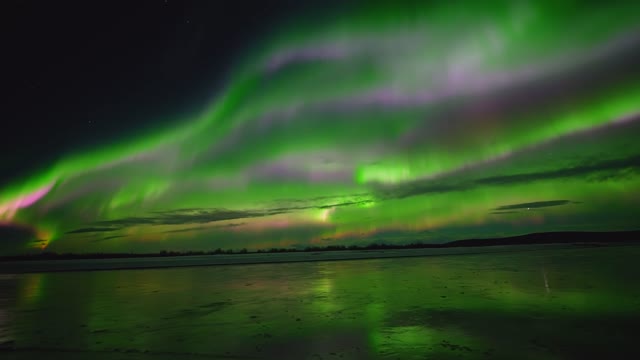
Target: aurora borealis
column 375, row 122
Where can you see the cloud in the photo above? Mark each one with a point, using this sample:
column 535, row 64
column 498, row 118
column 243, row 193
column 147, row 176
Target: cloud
column 109, row 238
column 595, row 171
column 321, row 202
column 613, row 168
column 348, row 203
column 532, row 205
column 186, row 216
column 174, row 217
column 201, row 228
column 419, row 188
column 92, row 230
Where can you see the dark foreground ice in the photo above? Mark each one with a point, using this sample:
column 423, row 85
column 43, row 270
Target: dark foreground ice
column 558, row 303
column 14, row 267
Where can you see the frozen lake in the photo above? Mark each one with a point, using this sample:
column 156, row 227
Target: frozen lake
column 556, row 303
column 13, row 267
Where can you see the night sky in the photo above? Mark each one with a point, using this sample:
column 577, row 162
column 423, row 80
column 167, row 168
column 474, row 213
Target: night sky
column 151, row 125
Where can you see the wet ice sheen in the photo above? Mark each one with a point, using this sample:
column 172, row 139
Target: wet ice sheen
column 547, row 304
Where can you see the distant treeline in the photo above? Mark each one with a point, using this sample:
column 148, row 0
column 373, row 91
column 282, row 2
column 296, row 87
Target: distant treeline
column 529, row 239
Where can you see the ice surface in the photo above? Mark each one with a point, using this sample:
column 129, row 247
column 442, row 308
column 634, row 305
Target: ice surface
column 558, row 303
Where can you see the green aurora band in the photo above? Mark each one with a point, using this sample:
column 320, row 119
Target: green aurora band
column 425, row 123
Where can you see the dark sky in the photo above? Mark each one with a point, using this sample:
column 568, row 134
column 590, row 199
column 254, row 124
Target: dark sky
column 81, row 73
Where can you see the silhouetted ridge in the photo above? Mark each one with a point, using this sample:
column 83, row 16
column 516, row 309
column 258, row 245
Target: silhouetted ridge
column 569, row 237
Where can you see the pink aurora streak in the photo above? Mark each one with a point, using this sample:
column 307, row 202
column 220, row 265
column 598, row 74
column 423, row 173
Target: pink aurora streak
column 8, row 209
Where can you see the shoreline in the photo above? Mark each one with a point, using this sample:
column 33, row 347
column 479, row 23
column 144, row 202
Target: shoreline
column 66, row 265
